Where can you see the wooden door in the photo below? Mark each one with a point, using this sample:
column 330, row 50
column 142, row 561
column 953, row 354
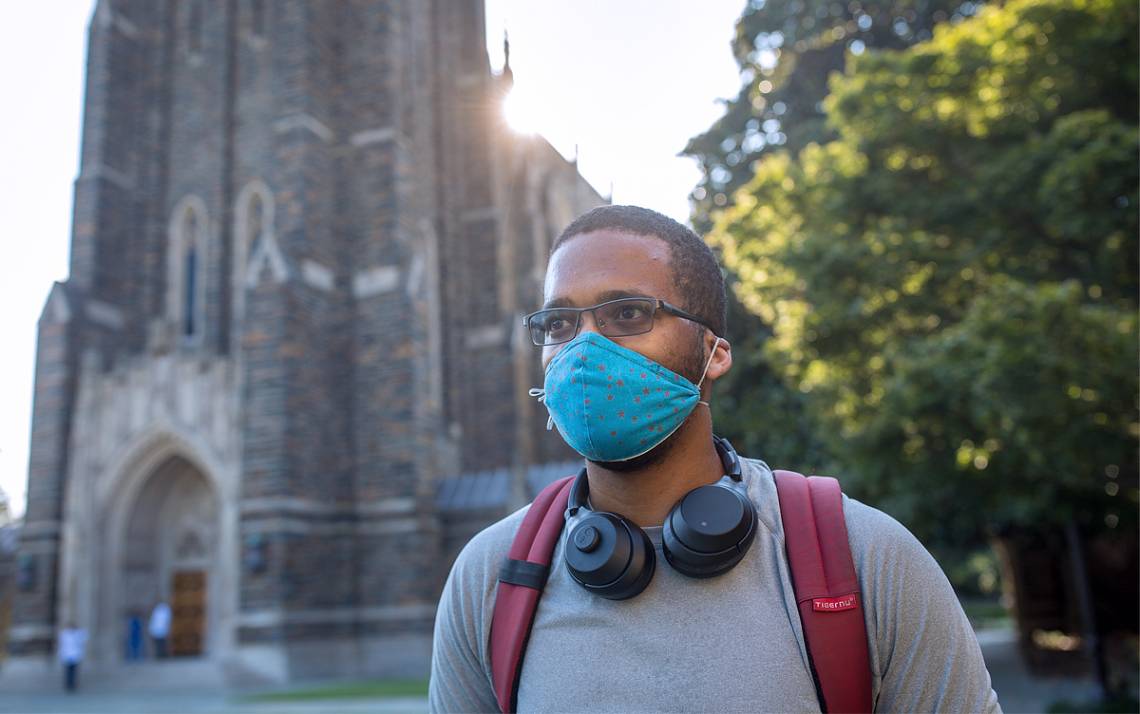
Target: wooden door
column 188, row 612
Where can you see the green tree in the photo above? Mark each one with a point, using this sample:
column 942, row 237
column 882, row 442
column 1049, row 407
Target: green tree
column 1022, row 413
column 755, row 408
column 787, row 50
column 952, row 279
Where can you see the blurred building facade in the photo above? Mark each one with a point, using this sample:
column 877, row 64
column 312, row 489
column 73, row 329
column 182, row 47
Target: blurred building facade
column 303, row 241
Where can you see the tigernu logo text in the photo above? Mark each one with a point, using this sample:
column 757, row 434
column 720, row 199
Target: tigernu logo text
column 835, row 604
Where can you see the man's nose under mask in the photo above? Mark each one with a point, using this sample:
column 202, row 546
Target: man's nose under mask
column 613, row 404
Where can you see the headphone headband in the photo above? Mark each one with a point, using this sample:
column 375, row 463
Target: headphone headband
column 728, row 458
column 579, row 492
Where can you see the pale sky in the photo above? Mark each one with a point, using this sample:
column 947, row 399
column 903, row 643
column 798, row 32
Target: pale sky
column 628, row 82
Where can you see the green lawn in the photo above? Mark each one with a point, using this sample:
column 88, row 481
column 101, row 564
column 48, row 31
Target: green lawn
column 349, row 690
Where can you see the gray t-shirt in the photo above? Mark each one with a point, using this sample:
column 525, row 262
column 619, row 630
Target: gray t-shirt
column 733, row 643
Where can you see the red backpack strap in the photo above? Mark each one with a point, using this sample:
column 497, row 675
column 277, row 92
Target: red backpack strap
column 827, row 591
column 521, row 581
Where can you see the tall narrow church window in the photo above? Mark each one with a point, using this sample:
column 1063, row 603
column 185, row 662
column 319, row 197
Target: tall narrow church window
column 191, row 266
column 255, row 219
column 190, row 274
column 194, row 27
column 187, row 269
column 256, row 257
column 257, row 18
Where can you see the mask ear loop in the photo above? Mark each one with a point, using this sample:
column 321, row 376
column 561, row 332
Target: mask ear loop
column 541, row 395
column 706, row 369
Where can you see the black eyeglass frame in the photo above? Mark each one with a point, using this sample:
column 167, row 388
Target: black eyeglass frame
column 658, row 304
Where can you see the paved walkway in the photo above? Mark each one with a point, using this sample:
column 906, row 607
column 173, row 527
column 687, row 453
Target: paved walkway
column 1018, row 692
column 194, row 703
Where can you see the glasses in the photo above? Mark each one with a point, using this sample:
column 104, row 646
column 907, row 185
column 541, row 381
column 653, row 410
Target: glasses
column 615, row 318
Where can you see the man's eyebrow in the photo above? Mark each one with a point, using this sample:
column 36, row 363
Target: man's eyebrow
column 600, row 298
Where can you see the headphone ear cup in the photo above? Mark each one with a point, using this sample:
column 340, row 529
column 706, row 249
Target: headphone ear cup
column 709, row 531
column 609, row 556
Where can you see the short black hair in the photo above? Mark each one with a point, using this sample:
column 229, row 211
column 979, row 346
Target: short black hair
column 695, row 270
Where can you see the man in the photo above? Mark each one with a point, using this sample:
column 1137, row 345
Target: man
column 732, row 642
column 159, row 627
column 72, row 643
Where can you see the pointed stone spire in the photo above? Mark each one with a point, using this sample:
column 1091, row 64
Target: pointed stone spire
column 508, row 75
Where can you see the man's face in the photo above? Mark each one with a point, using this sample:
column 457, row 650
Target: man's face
column 592, row 268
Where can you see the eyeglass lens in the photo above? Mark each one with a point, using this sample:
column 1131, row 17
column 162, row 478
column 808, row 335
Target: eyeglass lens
column 628, row 316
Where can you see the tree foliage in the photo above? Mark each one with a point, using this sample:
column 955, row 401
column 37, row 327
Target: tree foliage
column 756, row 410
column 951, row 281
column 786, row 50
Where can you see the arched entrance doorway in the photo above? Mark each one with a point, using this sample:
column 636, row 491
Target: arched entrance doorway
column 170, row 555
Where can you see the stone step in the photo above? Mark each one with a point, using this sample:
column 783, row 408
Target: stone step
column 165, row 675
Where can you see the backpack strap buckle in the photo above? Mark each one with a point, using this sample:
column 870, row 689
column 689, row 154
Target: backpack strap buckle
column 524, row 573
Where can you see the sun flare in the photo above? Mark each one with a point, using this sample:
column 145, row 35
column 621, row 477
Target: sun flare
column 521, row 112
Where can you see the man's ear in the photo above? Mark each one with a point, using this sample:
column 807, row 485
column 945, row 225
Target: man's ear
column 721, row 360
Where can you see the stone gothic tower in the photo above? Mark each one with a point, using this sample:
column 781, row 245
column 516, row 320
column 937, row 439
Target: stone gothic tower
column 302, row 242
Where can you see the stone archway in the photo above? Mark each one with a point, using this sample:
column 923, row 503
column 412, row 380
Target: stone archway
column 170, row 553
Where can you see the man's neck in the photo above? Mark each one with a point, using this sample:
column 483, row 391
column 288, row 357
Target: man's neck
column 647, row 495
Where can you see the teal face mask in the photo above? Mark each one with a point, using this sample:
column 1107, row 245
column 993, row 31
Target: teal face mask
column 611, row 403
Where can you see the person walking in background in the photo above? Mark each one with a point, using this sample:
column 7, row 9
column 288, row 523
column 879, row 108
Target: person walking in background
column 160, row 628
column 134, row 637
column 72, row 643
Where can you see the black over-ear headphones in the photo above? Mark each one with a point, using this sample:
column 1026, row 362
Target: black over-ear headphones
column 706, row 534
